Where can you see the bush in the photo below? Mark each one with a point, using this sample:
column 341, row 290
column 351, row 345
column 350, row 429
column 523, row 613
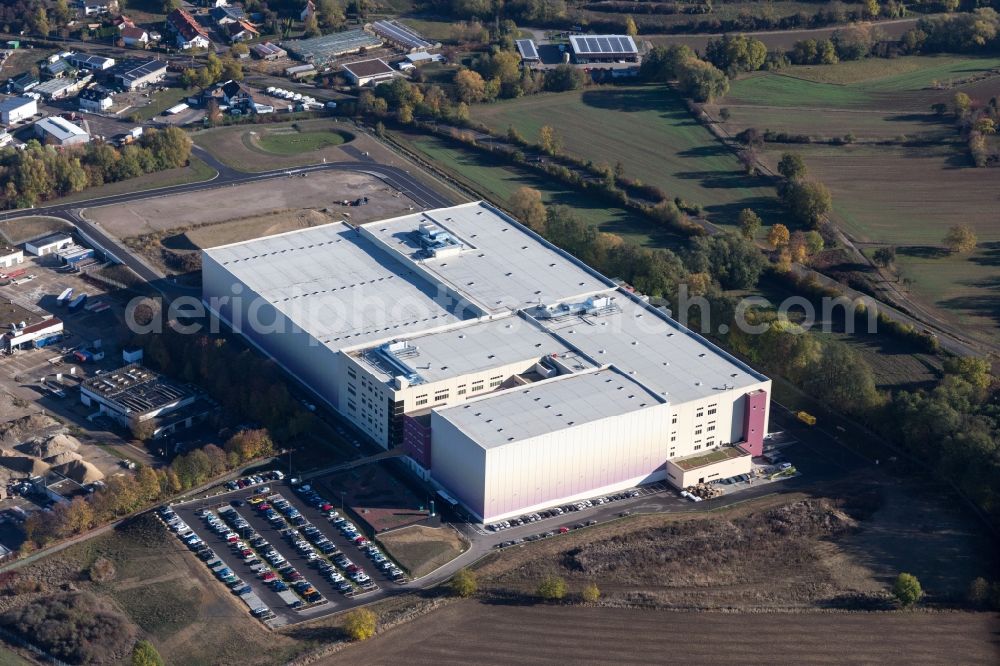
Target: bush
column 907, row 589
column 102, row 570
column 590, row 593
column 360, row 624
column 144, row 654
column 553, row 588
column 463, row 583
column 78, row 628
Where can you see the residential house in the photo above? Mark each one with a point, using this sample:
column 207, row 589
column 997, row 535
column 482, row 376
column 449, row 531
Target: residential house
column 223, row 15
column 308, row 10
column 134, row 36
column 188, row 33
column 56, row 67
column 95, row 99
column 240, row 31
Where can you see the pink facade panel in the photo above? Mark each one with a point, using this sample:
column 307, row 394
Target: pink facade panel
column 754, row 418
column 417, row 440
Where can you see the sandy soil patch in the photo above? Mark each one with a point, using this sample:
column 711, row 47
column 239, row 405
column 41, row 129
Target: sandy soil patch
column 318, row 190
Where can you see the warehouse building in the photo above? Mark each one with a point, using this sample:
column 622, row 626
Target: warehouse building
column 136, row 74
column 368, row 72
column 401, row 36
column 60, row 132
column 513, row 376
column 15, row 109
column 603, row 48
column 10, row 256
column 133, row 395
column 90, row 62
column 48, row 244
column 321, row 51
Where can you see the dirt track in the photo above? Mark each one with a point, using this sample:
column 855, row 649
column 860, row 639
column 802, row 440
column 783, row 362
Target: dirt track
column 470, row 632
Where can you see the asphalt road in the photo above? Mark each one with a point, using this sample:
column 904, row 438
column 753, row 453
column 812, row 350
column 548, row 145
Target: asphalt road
column 226, row 176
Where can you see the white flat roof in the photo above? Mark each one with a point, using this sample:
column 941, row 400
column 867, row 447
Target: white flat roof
column 336, row 284
column 502, row 266
column 59, row 127
column 543, row 407
column 672, row 361
column 462, row 350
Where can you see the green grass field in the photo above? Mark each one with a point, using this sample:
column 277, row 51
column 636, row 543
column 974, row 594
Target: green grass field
column 651, row 132
column 903, row 84
column 160, row 102
column 497, row 181
column 295, row 142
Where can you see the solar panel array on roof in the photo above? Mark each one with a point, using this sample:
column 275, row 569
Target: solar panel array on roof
column 526, row 48
column 400, row 34
column 603, row 44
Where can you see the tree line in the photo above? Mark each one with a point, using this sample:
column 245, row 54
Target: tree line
column 39, row 173
column 123, row 494
column 954, row 426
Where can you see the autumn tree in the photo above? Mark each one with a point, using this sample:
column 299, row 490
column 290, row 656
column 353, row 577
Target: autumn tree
column 750, row 223
column 463, row 583
column 552, row 588
column 808, row 201
column 631, row 28
column 469, row 86
column 590, row 593
column 960, row 239
column 778, row 236
column 792, row 166
column 526, row 205
column 548, row 140
column 360, row 624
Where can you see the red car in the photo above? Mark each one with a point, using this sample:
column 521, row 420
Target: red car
column 268, row 577
column 246, row 552
column 263, row 506
column 563, row 530
column 326, row 507
column 360, row 540
column 352, row 568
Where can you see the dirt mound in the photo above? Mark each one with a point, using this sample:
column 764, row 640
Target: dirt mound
column 80, row 471
column 63, row 458
column 16, row 431
column 27, row 465
column 54, row 446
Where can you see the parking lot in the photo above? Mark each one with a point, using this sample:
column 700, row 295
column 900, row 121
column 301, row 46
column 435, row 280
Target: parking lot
column 288, row 547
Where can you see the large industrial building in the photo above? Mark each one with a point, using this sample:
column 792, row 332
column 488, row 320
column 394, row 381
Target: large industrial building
column 512, row 375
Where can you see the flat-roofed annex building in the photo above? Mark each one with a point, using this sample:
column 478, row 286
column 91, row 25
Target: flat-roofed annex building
column 512, row 375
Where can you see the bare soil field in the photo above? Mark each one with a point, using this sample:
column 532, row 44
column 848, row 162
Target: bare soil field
column 318, row 190
column 421, row 549
column 778, row 553
column 471, row 632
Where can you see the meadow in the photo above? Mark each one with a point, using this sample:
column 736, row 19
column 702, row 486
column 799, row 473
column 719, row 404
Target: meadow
column 497, row 180
column 904, row 196
column 651, row 132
